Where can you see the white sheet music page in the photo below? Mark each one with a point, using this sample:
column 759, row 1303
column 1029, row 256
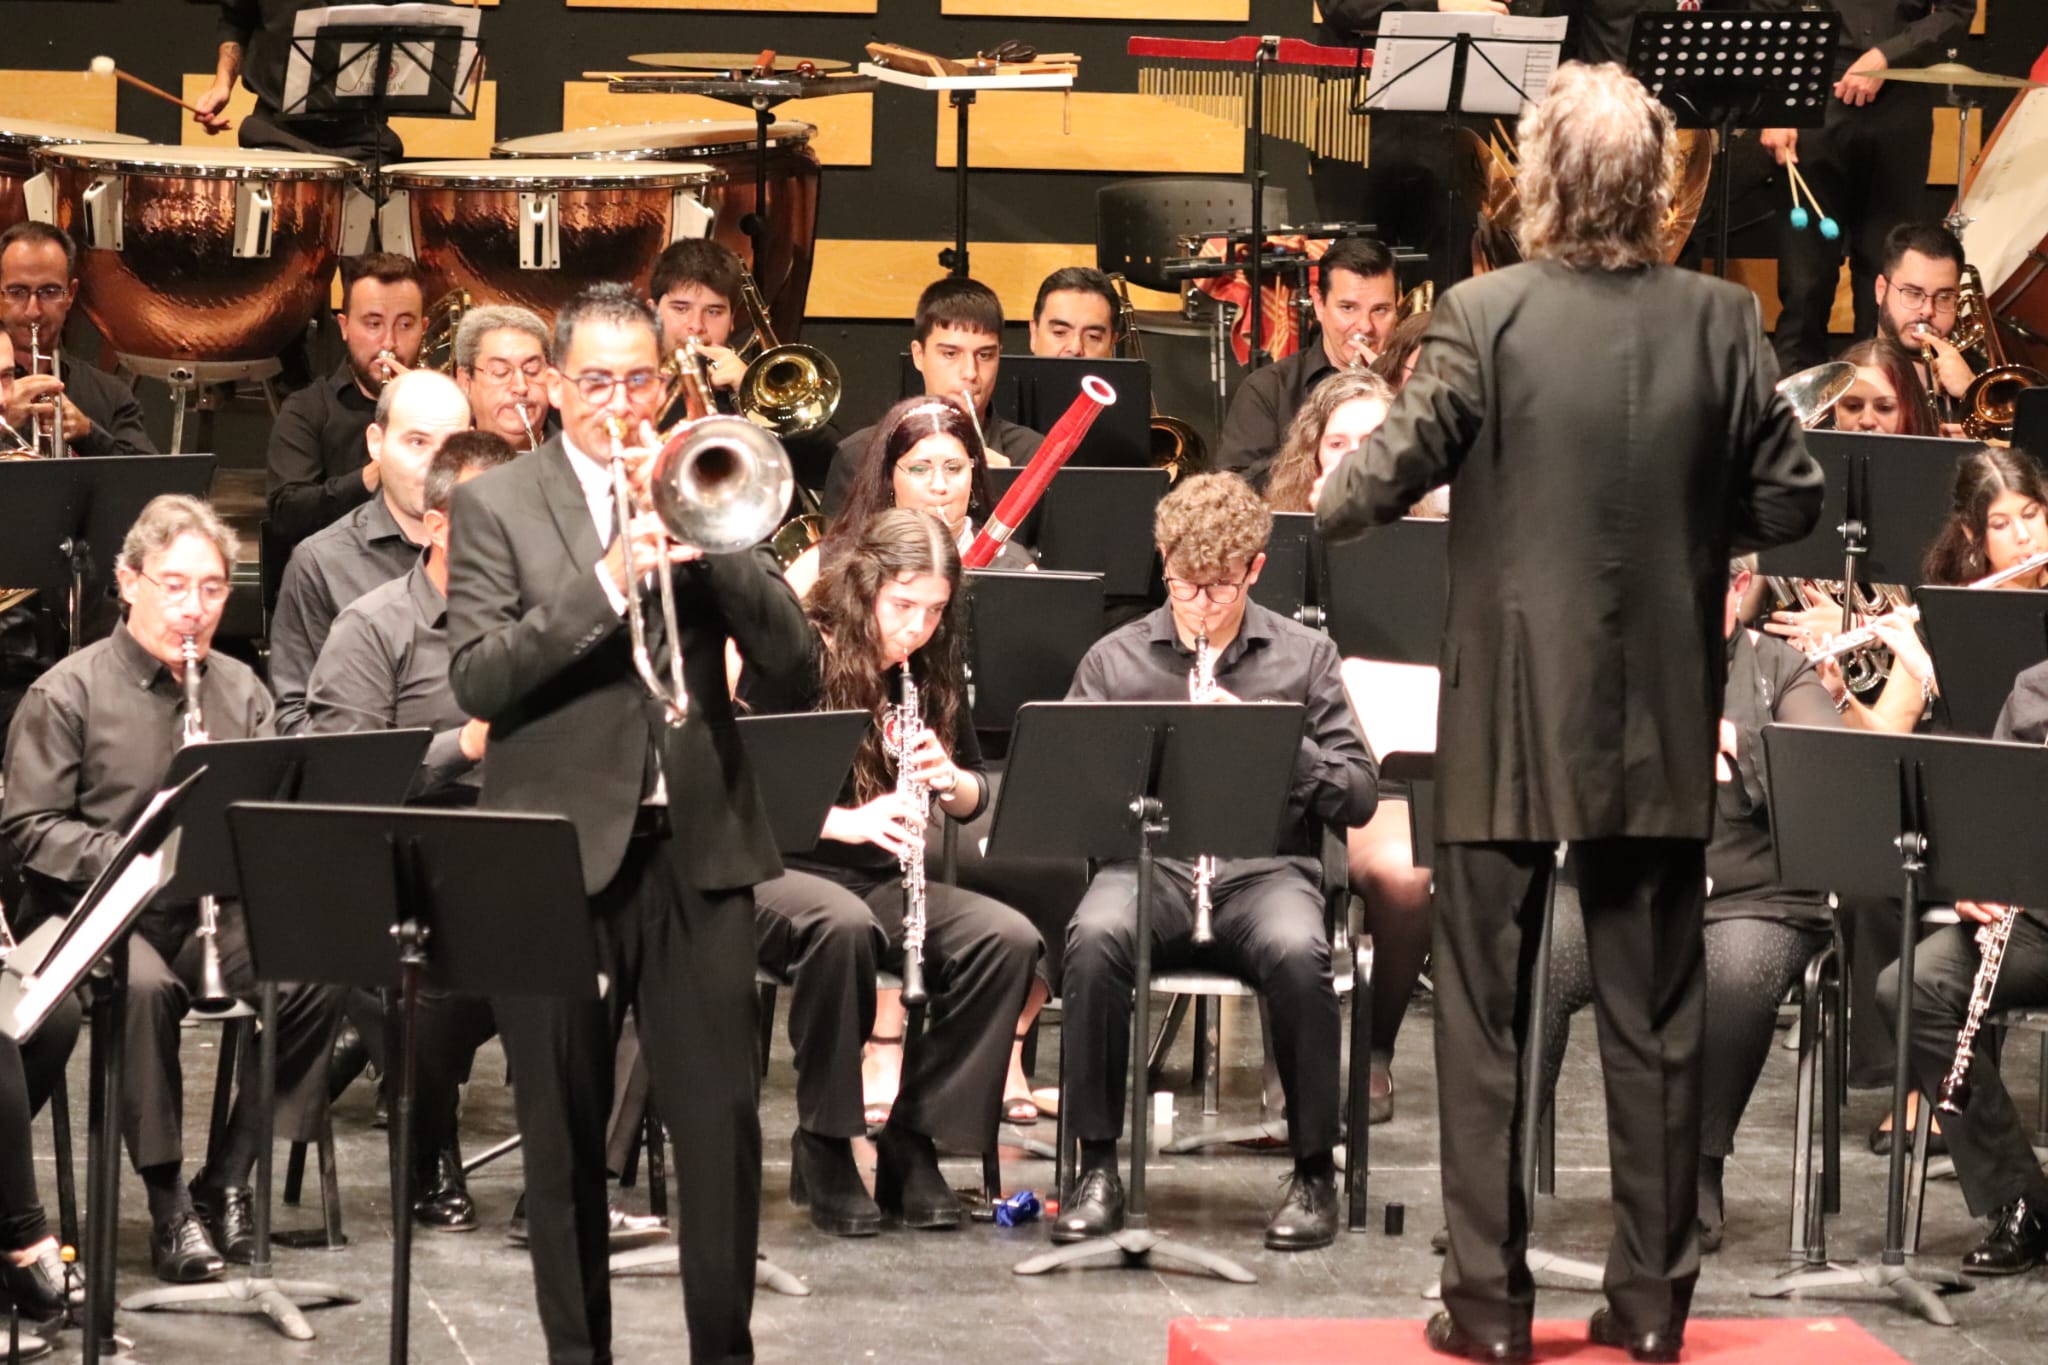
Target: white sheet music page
column 1511, row 56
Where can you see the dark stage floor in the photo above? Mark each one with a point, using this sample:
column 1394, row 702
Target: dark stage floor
column 906, row 1299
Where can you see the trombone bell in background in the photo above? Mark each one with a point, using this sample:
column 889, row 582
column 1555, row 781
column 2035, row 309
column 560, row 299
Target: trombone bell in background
column 792, row 390
column 1814, row 392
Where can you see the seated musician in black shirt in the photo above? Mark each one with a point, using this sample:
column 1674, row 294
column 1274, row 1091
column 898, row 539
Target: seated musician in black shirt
column 1759, row 935
column 38, row 285
column 502, row 353
column 1995, row 1163
column 379, row 541
column 1268, row 912
column 888, row 599
column 89, row 746
column 1357, row 304
column 958, row 349
column 319, row 467
column 385, row 667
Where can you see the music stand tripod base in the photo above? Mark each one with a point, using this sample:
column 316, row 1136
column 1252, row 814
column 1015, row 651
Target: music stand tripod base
column 662, row 1260
column 1917, row 1287
column 1135, row 1248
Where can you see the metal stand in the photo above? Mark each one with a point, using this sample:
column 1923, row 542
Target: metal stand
column 1255, row 174
column 954, row 258
column 102, row 1155
column 1137, row 1246
column 191, row 383
column 258, row 1292
column 755, row 224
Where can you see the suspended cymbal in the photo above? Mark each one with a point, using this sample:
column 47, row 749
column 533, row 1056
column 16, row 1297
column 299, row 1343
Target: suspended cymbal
column 1812, row 392
column 732, row 61
column 1954, row 73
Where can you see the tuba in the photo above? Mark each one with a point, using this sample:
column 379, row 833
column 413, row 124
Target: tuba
column 1177, row 447
column 718, row 483
column 791, row 390
column 1988, row 404
column 213, row 998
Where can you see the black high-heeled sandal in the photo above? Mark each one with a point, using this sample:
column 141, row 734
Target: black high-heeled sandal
column 1021, row 1111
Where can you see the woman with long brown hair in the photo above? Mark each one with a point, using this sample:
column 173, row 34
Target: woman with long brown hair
column 1887, row 397
column 886, row 601
column 1340, row 413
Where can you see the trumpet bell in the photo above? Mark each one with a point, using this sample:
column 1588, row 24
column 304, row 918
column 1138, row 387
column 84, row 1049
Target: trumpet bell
column 1814, row 392
column 792, row 390
column 721, row 484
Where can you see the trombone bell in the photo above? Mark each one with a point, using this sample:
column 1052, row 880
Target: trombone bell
column 1814, row 392
column 721, row 484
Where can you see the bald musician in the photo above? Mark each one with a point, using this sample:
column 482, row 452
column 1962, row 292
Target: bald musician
column 379, row 541
column 38, row 285
column 319, row 468
column 501, row 365
column 1076, row 314
column 255, row 38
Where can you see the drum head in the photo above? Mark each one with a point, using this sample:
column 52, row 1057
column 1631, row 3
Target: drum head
column 2007, row 198
column 547, row 173
column 654, row 141
column 197, row 163
column 36, row 132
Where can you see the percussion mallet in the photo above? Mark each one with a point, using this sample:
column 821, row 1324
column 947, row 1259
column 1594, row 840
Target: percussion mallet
column 1829, row 228
column 104, row 66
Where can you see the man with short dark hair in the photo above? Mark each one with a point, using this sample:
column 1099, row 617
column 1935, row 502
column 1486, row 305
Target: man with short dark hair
column 958, row 350
column 1357, row 303
column 38, row 285
column 695, row 292
column 319, row 467
column 1076, row 314
column 1918, row 287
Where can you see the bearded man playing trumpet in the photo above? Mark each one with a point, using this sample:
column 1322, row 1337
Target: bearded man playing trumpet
column 1919, row 288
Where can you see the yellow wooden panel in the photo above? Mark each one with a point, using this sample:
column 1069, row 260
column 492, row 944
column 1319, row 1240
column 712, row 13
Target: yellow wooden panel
column 845, row 123
column 1760, row 273
column 771, row 6
column 1032, row 130
column 882, row 279
column 1941, row 160
column 1977, row 24
column 424, row 137
column 59, row 97
column 1208, row 11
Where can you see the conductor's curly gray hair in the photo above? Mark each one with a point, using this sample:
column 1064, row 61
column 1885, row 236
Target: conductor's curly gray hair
column 1597, row 159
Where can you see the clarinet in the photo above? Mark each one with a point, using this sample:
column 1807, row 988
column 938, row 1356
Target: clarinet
column 1201, row 687
column 213, row 996
column 902, row 734
column 1991, row 941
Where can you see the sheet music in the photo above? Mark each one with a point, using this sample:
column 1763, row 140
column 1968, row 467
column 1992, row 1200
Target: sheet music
column 1395, row 704
column 411, row 64
column 1415, row 56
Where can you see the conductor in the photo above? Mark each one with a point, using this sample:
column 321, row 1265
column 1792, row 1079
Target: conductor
column 1608, row 427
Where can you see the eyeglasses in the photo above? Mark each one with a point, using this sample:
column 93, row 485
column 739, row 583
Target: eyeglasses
column 596, row 386
column 922, row 470
column 212, row 592
column 1222, row 594
column 1944, row 300
column 501, row 372
column 46, row 294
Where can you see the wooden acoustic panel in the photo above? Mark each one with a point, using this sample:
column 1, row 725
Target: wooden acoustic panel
column 1760, row 274
column 451, row 138
column 1187, row 11
column 845, row 123
column 1047, row 130
column 749, row 6
column 59, row 97
column 1941, row 158
column 870, row 279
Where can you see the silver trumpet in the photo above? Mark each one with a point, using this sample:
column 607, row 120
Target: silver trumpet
column 47, row 430
column 1202, row 687
column 720, row 484
column 214, row 998
column 902, row 735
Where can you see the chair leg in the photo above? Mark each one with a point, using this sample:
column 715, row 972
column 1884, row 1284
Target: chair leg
column 1162, row 1043
column 1209, row 1042
column 330, row 1189
column 1358, row 1142
column 67, row 1175
column 232, row 1040
column 655, row 1137
column 1916, row 1174
column 2041, row 1098
column 991, row 1179
column 1811, row 1045
column 1834, row 1087
column 766, row 997
column 295, row 1173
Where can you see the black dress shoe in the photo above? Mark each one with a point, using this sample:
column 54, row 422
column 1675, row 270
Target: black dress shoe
column 441, row 1195
column 230, row 1219
column 908, row 1184
column 1096, row 1210
column 1446, row 1338
column 1307, row 1216
column 37, row 1289
column 2018, row 1241
column 823, row 1178
column 182, row 1251
column 1604, row 1329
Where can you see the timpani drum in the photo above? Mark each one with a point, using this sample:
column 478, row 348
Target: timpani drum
column 19, row 138
column 725, row 145
column 2006, row 202
column 536, row 233
column 206, row 254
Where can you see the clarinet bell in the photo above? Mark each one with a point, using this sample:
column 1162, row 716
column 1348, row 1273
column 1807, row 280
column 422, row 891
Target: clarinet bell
column 214, row 1000
column 1954, row 1098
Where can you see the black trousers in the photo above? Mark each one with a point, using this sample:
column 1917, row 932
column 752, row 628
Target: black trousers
column 163, row 972
column 683, row 959
column 1268, row 918
column 450, row 1028
column 979, row 955
column 1642, row 903
column 1994, row 1161
column 1868, row 167
column 28, row 1072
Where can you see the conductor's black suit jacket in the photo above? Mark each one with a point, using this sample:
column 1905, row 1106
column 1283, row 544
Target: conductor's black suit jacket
column 1610, row 439
column 536, row 649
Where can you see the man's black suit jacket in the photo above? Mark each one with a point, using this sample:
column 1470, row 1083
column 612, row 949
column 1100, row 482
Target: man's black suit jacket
column 536, row 649
column 1610, row 439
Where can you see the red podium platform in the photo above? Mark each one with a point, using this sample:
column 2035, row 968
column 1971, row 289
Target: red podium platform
column 1398, row 1341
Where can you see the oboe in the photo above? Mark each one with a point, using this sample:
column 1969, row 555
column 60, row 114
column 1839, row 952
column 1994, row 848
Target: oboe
column 213, row 996
column 1201, row 687
column 1991, row 941
column 902, row 736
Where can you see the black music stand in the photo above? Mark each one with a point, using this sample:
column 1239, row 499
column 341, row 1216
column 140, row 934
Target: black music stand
column 1383, row 595
column 63, row 519
column 448, row 55
column 1759, row 69
column 463, row 895
column 1883, row 504
column 1285, row 584
column 800, row 763
column 360, row 768
column 1098, row 521
column 1981, row 641
column 1116, row 780
column 1923, row 818
column 1026, row 634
